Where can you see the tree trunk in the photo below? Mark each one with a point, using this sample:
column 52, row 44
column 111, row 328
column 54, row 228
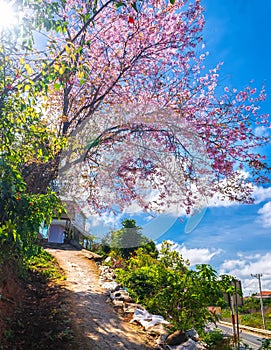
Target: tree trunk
column 39, row 176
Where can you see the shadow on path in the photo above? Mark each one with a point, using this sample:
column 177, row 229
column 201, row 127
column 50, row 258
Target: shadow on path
column 95, row 320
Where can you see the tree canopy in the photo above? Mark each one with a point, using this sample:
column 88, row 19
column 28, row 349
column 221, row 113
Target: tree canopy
column 114, row 97
column 128, row 239
column 144, row 118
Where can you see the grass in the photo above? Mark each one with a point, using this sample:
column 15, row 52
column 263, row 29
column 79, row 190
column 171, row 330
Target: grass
column 252, row 319
column 46, row 265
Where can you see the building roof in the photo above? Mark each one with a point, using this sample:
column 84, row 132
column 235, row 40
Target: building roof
column 265, row 294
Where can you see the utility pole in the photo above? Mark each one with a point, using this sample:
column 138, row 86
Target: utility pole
column 258, row 276
column 236, row 311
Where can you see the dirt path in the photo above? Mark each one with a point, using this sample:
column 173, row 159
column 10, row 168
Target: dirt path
column 96, row 320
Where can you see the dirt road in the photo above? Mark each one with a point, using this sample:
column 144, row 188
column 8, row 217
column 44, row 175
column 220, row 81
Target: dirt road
column 96, row 320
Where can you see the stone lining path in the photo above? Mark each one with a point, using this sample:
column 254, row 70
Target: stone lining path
column 99, row 325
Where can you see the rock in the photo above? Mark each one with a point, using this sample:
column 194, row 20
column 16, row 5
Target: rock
column 118, row 303
column 118, row 287
column 108, row 286
column 120, row 294
column 106, row 273
column 189, row 345
column 108, row 260
column 131, row 307
column 146, row 319
column 176, row 338
column 161, row 339
column 192, row 333
column 91, row 255
column 159, row 329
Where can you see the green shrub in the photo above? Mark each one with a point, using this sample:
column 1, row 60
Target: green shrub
column 45, row 264
column 215, row 340
column 165, row 286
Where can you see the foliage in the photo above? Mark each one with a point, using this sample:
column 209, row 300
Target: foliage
column 251, row 304
column 252, row 320
column 171, row 258
column 126, row 84
column 99, row 59
column 250, row 313
column 92, row 65
column 171, row 290
column 266, row 344
column 43, row 263
column 127, row 240
column 26, row 141
column 215, row 340
column 100, row 249
column 21, row 212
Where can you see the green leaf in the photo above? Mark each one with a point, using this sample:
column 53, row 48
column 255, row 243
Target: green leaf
column 134, row 6
column 57, row 86
column 120, row 4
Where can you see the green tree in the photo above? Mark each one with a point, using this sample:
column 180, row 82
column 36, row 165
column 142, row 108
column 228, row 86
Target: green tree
column 26, row 140
column 128, row 239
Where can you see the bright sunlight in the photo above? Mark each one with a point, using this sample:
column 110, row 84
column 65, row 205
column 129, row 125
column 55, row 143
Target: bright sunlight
column 7, row 14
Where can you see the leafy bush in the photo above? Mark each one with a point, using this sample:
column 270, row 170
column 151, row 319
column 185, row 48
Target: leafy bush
column 45, row 264
column 164, row 285
column 266, row 344
column 215, row 340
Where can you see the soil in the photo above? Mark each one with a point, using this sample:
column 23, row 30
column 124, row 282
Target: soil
column 34, row 313
column 72, row 315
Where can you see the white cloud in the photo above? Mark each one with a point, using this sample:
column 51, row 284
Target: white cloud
column 261, row 194
column 261, row 131
column 218, row 201
column 100, row 226
column 232, row 264
column 245, row 266
column 198, row 255
column 265, row 215
column 194, row 255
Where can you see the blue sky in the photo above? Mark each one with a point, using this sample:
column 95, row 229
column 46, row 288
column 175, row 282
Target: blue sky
column 237, row 32
column 233, row 238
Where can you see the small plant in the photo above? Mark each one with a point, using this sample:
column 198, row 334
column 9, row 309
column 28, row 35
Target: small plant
column 8, row 333
column 246, row 346
column 46, row 265
column 215, row 340
column 66, row 335
column 266, row 344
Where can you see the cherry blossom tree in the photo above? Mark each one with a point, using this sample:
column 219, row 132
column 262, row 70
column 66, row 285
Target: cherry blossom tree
column 125, row 83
